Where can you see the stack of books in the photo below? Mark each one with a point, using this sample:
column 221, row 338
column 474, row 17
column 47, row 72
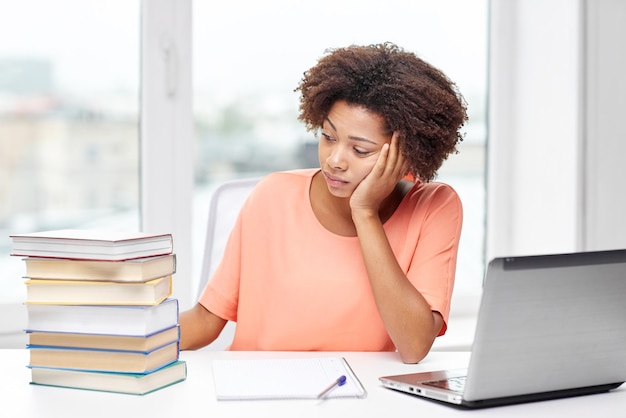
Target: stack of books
column 100, row 312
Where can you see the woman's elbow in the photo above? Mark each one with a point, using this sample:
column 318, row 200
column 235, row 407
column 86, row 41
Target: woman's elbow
column 415, row 354
column 419, row 348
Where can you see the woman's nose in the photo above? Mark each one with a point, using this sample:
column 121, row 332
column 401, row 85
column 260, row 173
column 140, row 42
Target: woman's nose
column 336, row 159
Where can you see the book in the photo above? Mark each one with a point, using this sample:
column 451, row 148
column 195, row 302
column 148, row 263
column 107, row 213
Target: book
column 284, row 378
column 72, row 292
column 103, row 319
column 134, row 270
column 127, row 383
column 103, row 342
column 103, row 360
column 91, row 244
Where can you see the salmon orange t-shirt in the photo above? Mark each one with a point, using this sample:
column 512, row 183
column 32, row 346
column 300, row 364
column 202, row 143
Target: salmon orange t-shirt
column 291, row 285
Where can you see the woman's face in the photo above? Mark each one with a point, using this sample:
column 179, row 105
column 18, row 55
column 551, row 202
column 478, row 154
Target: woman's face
column 350, row 141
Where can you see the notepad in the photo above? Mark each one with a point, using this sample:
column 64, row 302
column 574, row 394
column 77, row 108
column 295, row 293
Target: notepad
column 292, row 378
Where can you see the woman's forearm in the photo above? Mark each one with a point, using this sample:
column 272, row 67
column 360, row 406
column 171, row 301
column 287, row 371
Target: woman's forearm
column 408, row 318
column 199, row 327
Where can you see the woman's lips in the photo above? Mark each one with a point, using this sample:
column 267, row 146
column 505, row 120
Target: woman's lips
column 334, row 181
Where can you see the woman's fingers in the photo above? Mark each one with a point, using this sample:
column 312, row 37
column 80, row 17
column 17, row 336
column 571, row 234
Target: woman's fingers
column 396, row 163
column 392, row 158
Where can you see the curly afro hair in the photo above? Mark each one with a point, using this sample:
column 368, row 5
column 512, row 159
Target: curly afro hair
column 415, row 99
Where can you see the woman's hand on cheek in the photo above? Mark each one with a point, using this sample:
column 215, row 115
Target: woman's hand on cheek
column 389, row 169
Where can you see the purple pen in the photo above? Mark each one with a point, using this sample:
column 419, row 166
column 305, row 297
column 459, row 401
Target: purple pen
column 341, row 380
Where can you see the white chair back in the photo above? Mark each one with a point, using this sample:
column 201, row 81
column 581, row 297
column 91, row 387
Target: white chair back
column 224, row 207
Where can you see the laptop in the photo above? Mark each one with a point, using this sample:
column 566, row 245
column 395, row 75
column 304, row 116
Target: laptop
column 549, row 326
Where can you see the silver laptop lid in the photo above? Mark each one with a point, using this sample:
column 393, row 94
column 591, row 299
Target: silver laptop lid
column 549, row 323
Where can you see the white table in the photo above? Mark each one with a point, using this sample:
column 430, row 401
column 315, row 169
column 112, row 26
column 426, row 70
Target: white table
column 195, row 397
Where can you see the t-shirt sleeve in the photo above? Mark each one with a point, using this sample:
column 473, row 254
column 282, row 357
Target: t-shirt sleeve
column 433, row 266
column 220, row 295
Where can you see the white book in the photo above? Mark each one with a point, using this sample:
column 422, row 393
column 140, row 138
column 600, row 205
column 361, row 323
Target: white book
column 103, row 319
column 91, row 244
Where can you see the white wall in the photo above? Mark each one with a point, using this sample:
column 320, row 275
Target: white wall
column 555, row 103
column 604, row 130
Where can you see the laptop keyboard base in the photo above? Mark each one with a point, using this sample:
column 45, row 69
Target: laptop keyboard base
column 454, row 384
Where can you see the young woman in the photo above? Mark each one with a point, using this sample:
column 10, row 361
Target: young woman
column 359, row 254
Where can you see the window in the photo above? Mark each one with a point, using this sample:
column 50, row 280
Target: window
column 69, row 134
column 249, row 56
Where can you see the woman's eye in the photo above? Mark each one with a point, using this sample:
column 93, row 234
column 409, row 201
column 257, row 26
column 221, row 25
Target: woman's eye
column 361, row 152
column 327, row 137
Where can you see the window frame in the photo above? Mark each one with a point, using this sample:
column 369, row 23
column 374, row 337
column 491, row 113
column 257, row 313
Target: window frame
column 167, row 131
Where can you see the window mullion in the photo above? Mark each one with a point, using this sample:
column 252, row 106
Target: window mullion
column 166, row 130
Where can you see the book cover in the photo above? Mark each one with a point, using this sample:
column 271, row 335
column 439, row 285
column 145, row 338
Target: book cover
column 71, row 292
column 91, row 244
column 134, row 270
column 103, row 360
column 103, row 319
column 103, row 342
column 126, row 383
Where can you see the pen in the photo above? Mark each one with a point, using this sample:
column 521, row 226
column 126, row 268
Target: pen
column 339, row 382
